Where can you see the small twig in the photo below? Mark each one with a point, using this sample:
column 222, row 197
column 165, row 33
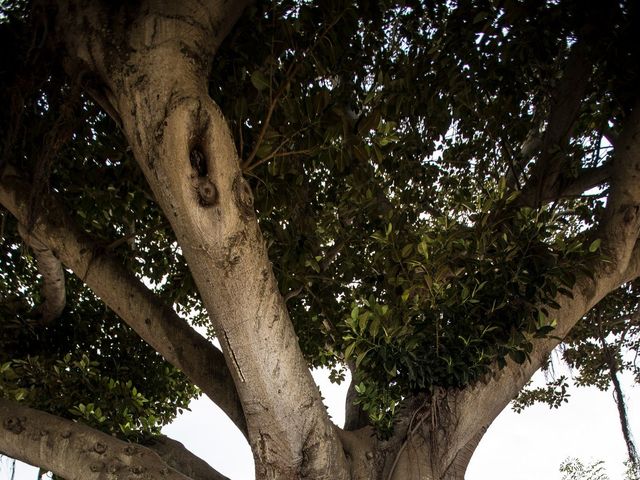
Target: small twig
column 291, row 71
column 3, row 224
column 275, row 154
column 122, row 240
column 293, row 293
column 333, row 253
column 265, row 124
column 240, row 123
column 610, row 134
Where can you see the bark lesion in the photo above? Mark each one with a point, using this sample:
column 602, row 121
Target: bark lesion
column 205, row 188
column 243, row 196
column 233, row 356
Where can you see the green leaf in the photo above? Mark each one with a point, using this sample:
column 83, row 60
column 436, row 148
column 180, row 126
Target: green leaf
column 518, row 356
column 542, row 318
column 362, row 321
column 259, row 80
column 374, row 327
column 480, row 16
column 313, row 264
column 349, row 351
column 595, row 245
column 360, row 357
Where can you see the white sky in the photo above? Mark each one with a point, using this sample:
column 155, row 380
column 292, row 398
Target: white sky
column 526, row 446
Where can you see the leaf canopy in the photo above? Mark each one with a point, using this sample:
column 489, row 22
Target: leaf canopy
column 385, row 145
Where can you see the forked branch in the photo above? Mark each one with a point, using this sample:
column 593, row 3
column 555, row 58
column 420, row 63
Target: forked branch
column 138, row 306
column 480, row 405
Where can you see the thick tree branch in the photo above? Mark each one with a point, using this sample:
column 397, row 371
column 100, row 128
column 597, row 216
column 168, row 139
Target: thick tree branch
column 138, row 306
column 75, row 451
column 54, row 292
column 532, row 143
column 622, row 215
column 586, row 180
column 565, row 106
column 480, row 405
column 355, row 417
column 177, row 456
column 633, row 268
column 183, row 145
column 461, row 461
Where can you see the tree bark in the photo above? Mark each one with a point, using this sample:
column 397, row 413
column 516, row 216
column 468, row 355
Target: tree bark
column 153, row 74
column 476, row 407
column 75, row 451
column 544, row 182
column 149, row 65
column 53, row 288
column 178, row 457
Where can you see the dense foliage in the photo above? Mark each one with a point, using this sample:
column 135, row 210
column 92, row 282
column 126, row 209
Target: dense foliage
column 384, row 145
column 86, row 364
column 400, row 243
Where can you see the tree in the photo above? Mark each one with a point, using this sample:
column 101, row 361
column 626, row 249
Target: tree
column 432, row 196
column 603, row 345
column 574, row 469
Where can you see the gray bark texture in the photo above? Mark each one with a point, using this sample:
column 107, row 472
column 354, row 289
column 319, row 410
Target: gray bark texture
column 158, row 91
column 74, row 451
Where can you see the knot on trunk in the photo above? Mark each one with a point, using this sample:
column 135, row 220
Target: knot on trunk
column 207, row 193
column 130, row 450
column 100, row 448
column 206, row 190
column 137, row 470
column 630, row 213
column 14, row 424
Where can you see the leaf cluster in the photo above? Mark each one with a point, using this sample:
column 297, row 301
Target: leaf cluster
column 377, row 137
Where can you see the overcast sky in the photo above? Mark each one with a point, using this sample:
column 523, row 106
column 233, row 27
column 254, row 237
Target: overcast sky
column 526, row 446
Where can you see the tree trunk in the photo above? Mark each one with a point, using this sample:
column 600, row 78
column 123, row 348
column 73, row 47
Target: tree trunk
column 153, row 76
